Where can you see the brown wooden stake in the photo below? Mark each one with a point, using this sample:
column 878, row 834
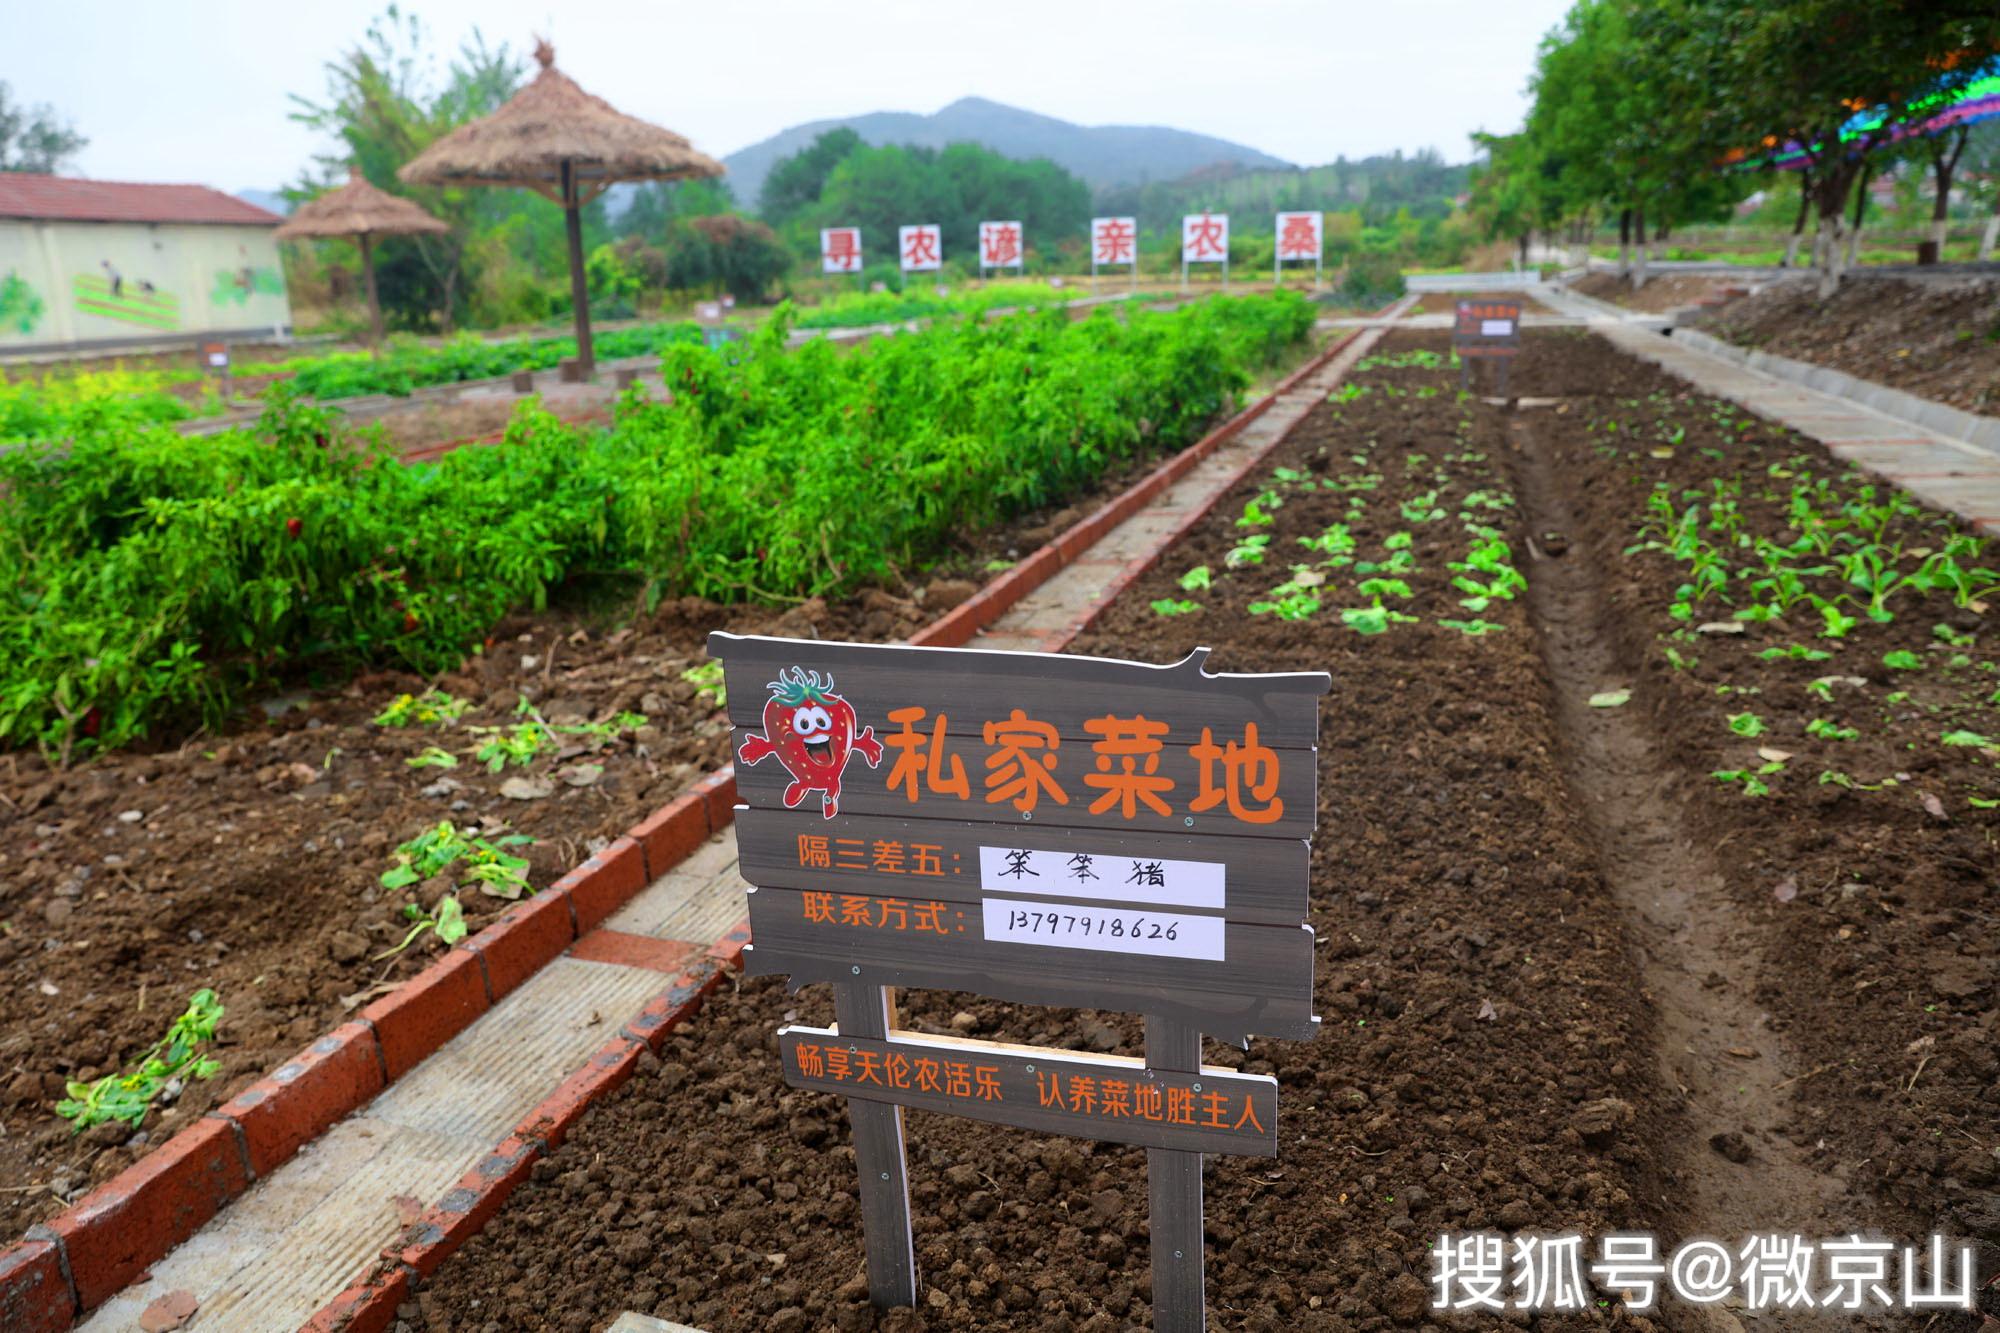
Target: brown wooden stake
column 368, row 278
column 579, row 289
column 1173, row 1187
column 863, row 1010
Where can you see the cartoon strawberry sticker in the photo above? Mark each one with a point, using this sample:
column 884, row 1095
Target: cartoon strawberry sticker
column 812, row 731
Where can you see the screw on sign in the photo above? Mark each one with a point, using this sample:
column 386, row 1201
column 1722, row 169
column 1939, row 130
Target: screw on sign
column 920, row 247
column 840, row 249
column 1000, row 245
column 1486, row 328
column 1037, row 829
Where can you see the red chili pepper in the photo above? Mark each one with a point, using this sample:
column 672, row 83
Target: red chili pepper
column 293, row 527
column 409, row 622
column 91, row 721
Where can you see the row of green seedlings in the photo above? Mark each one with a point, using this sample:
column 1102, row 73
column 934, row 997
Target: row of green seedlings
column 475, row 861
column 1841, row 565
column 1486, row 574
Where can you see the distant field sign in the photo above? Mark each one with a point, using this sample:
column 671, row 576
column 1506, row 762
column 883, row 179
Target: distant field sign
column 1487, row 326
column 840, row 249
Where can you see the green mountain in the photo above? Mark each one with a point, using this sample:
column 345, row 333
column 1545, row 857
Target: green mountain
column 1103, row 156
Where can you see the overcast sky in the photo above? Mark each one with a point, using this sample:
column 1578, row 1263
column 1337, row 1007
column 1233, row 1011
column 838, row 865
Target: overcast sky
column 198, row 92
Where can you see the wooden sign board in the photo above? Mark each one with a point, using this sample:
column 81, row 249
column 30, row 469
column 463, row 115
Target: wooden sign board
column 1487, row 326
column 1038, row 829
column 215, row 358
column 1112, row 1099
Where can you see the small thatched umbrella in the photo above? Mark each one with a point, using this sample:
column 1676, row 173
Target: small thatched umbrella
column 360, row 210
column 554, row 137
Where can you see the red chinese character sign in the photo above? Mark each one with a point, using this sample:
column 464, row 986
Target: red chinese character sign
column 1298, row 241
column 840, row 249
column 1038, row 829
column 921, row 247
column 1486, row 328
column 1114, row 241
column 1000, row 245
column 1205, row 240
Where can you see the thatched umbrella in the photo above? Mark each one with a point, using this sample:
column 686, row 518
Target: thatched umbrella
column 360, row 210
column 555, row 138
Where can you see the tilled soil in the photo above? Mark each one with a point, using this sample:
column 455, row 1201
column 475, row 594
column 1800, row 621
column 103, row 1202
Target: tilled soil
column 1938, row 341
column 248, row 862
column 1662, row 291
column 1862, row 921
column 1488, row 1057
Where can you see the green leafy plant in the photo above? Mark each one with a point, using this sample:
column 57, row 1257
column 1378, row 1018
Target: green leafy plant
column 1750, row 779
column 432, row 708
column 442, row 847
column 1748, row 725
column 1168, row 606
column 177, row 1055
column 1473, row 628
column 706, row 677
column 433, row 757
column 1902, row 659
column 448, row 921
column 1197, row 579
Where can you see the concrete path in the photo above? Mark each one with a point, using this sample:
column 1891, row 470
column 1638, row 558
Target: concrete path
column 1944, row 472
column 271, row 1259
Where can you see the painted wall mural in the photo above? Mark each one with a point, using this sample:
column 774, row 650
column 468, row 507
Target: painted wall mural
column 109, row 295
column 20, row 307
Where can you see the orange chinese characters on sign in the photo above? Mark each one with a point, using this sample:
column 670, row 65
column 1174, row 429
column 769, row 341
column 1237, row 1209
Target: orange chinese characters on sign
column 1022, row 765
column 1128, row 765
column 1248, row 769
column 1204, row 237
column 1000, row 244
column 1113, row 241
column 1299, row 239
column 896, row 914
column 921, row 760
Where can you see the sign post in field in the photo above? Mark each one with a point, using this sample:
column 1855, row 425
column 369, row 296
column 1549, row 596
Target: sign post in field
column 840, row 249
column 1205, row 240
column 1037, row 829
column 1000, row 247
column 921, row 247
column 1487, row 328
column 1299, row 239
column 1114, row 241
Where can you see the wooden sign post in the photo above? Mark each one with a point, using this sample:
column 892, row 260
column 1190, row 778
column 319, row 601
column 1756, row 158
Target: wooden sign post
column 215, row 361
column 1488, row 328
column 1038, row 829
column 1114, row 241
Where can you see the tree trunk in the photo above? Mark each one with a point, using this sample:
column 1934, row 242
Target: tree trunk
column 1639, row 234
column 1836, row 180
column 1860, row 212
column 579, row 290
column 374, row 301
column 1945, row 153
column 1990, row 235
column 1799, row 223
column 1624, row 242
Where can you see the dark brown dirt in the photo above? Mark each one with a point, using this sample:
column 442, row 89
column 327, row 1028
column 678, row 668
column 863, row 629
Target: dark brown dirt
column 1486, row 1061
column 1661, row 293
column 1862, row 922
column 1937, row 341
column 248, row 862
column 1445, row 303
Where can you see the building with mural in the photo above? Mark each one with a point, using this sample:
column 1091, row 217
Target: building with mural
column 91, row 265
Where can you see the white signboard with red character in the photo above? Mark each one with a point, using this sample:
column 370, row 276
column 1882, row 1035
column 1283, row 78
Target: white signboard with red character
column 1205, row 240
column 921, row 247
column 1300, row 241
column 1114, row 241
column 1000, row 246
column 840, row 249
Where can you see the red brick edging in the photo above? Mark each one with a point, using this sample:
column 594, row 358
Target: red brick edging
column 99, row 1245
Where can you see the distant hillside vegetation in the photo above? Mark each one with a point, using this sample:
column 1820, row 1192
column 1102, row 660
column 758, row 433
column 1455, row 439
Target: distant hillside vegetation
column 1103, row 156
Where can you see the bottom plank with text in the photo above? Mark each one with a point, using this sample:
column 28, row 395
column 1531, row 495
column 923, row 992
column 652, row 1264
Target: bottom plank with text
column 1107, row 1098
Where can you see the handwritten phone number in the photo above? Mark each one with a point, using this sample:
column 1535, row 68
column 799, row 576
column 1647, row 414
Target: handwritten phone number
column 1061, row 925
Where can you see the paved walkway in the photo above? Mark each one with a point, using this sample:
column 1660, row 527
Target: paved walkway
column 298, row 1236
column 1944, row 472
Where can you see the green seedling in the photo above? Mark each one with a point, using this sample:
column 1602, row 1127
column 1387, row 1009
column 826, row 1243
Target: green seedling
column 1168, row 606
column 433, row 757
column 1747, row 725
column 443, row 846
column 432, row 708
column 1795, row 652
column 1902, row 659
column 1834, row 777
column 1751, row 779
column 1197, row 579
column 1829, row 731
column 1249, row 552
column 127, row 1097
column 707, row 681
column 1473, row 628
column 1971, row 739
column 449, row 923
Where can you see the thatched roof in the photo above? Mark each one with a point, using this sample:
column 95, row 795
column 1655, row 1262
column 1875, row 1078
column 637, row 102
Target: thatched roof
column 357, row 209
column 547, row 123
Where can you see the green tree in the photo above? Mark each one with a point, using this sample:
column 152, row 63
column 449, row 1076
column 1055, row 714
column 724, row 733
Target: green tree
column 735, row 254
column 32, row 139
column 383, row 106
column 796, row 182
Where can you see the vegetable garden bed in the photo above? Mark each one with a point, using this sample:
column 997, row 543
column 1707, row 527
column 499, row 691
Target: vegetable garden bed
column 1476, row 1067
column 1499, row 1007
column 251, row 859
